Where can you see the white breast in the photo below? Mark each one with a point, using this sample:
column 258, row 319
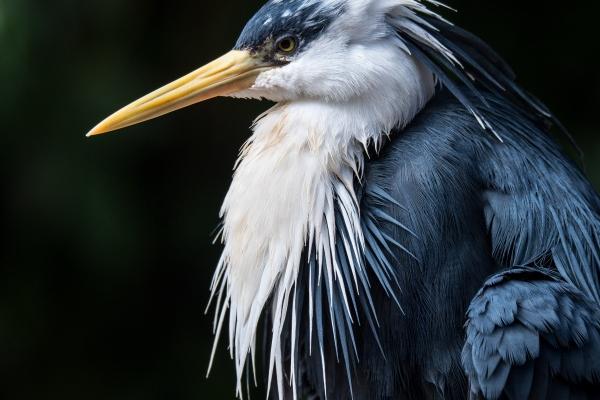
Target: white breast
column 283, row 188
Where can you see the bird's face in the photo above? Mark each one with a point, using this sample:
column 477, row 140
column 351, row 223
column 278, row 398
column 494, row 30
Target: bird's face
column 324, row 50
column 328, row 50
column 316, row 50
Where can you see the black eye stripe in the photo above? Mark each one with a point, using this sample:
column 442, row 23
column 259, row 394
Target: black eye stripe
column 281, row 18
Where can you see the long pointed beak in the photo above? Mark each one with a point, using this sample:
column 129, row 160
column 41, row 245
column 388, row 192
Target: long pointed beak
column 233, row 72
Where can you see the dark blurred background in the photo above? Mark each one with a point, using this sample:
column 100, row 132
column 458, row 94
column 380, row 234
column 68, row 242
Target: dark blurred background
column 107, row 257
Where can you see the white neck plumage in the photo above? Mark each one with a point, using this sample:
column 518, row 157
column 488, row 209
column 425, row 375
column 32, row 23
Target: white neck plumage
column 296, row 169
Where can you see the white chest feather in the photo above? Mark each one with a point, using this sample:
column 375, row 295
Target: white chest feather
column 281, row 200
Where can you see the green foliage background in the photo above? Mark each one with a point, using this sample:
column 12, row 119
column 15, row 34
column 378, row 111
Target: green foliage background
column 107, row 256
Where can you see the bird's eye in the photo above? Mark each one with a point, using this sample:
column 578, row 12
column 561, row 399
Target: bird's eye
column 287, row 44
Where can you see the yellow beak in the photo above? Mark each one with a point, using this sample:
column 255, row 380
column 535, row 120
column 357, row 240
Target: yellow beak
column 233, row 72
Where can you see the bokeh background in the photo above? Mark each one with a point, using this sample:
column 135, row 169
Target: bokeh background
column 106, row 253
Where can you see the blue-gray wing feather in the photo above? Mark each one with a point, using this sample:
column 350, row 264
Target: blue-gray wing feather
column 531, row 335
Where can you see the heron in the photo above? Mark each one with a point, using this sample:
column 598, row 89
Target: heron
column 402, row 222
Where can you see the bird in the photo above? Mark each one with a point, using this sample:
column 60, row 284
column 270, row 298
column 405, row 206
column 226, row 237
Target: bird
column 402, row 223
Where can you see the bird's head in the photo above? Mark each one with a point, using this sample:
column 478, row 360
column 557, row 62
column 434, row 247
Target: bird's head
column 331, row 51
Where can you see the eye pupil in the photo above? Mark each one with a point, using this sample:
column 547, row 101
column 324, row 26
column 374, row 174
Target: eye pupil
column 287, row 45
